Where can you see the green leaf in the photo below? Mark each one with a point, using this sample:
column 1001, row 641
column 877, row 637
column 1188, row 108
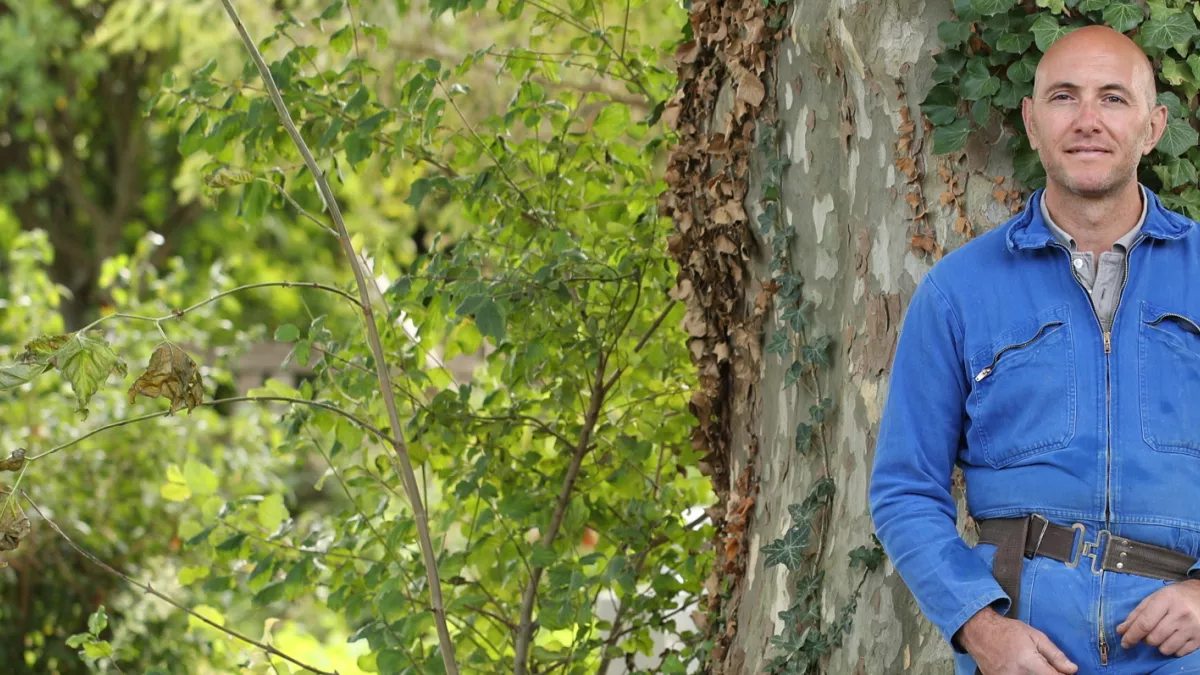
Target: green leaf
column 1188, row 202
column 1015, row 42
column 793, row 374
column 1010, row 95
column 98, row 650
column 953, row 33
column 332, row 10
column 1123, row 16
column 977, row 82
column 788, row 551
column 287, row 333
column 941, row 105
column 804, row 438
column 1174, row 72
column 358, row 147
column 952, row 137
column 271, row 512
column 76, row 641
column 1173, row 104
column 981, row 110
column 1163, row 33
column 612, row 121
column 358, row 100
column 98, row 621
column 342, row 40
column 1046, row 31
column 391, row 661
column 1093, row 5
column 990, row 7
column 86, row 362
column 16, row 375
column 489, row 317
column 1055, row 6
column 1177, row 171
column 200, row 479
column 1022, row 71
column 1178, row 138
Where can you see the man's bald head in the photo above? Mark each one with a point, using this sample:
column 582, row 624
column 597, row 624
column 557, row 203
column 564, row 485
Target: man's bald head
column 1074, row 47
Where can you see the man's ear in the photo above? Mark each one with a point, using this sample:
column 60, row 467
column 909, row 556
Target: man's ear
column 1158, row 125
column 1027, row 116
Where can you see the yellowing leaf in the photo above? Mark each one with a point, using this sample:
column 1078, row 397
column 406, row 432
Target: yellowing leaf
column 272, row 512
column 171, row 374
column 18, row 374
column 190, row 575
column 86, row 362
column 175, row 492
column 200, row 479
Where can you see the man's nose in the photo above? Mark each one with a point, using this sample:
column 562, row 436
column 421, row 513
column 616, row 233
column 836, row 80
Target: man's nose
column 1087, row 117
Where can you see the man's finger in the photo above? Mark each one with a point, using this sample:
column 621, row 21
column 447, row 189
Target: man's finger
column 1174, row 644
column 1188, row 647
column 1146, row 620
column 1167, row 626
column 1054, row 656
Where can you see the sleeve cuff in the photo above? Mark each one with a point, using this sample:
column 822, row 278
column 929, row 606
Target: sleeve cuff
column 997, row 599
column 1194, row 573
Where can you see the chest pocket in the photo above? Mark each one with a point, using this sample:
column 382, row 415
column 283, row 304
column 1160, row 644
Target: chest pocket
column 1169, row 380
column 1023, row 395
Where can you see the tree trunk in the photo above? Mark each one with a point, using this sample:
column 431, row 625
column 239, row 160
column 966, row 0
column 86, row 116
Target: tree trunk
column 870, row 210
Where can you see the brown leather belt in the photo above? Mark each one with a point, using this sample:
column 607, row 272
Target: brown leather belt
column 1034, row 535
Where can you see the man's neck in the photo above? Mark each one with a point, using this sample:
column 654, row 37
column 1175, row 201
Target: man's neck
column 1095, row 223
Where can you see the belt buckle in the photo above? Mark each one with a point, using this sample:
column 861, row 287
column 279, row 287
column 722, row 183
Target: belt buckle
column 1089, row 549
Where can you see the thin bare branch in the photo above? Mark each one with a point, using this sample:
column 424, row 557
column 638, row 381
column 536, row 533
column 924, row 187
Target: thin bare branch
column 167, row 599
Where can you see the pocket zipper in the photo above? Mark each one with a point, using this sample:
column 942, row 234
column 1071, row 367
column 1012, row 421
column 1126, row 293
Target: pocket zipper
column 1195, row 328
column 988, row 371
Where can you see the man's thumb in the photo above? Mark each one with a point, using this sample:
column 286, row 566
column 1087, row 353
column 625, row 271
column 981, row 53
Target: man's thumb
column 1055, row 656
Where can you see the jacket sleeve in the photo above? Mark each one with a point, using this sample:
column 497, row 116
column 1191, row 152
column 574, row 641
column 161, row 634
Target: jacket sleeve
column 919, row 439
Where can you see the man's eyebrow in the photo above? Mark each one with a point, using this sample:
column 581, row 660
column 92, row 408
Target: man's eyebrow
column 1111, row 86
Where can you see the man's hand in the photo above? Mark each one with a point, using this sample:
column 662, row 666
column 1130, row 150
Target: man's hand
column 1003, row 646
column 1168, row 619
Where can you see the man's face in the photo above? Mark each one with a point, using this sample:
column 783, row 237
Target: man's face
column 1091, row 117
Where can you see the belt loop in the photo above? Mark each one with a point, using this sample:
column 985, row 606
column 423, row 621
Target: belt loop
column 1041, row 535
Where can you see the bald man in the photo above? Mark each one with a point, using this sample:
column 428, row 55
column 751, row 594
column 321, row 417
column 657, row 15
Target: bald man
column 1056, row 359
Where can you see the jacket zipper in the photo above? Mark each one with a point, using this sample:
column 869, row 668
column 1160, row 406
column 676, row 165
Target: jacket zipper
column 1107, row 335
column 988, row 371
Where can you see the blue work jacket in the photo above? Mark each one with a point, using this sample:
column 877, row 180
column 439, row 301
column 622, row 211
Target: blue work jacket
column 1002, row 367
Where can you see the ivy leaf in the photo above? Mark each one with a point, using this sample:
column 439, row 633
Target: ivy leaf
column 86, row 362
column 990, row 7
column 1015, row 42
column 1178, row 138
column 1046, row 31
column 1174, row 105
column 1055, row 6
column 1123, row 16
column 1022, row 71
column 1010, row 95
column 964, row 11
column 868, row 558
column 788, row 551
column 953, row 33
column 951, row 137
column 804, row 438
column 779, row 344
column 1177, row 171
column 1165, row 32
column 1188, row 202
column 173, row 375
column 1093, row 5
column 941, row 105
column 793, row 374
column 981, row 110
column 977, row 82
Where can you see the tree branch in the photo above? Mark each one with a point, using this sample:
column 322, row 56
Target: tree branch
column 401, row 459
column 167, row 599
column 525, row 628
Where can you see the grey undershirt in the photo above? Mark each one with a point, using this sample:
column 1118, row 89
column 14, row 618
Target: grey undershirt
column 1103, row 283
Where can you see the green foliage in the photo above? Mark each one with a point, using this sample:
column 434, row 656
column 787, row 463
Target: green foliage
column 536, row 366
column 996, row 72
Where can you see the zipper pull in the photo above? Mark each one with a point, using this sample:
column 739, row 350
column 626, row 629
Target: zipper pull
column 1107, row 342
column 983, row 373
column 1103, row 651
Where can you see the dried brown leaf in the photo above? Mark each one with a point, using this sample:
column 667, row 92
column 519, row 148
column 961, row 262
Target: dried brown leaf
column 14, row 462
column 171, row 374
column 687, row 52
column 751, row 90
column 14, row 526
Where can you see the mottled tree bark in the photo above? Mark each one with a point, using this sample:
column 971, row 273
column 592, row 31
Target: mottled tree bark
column 871, row 211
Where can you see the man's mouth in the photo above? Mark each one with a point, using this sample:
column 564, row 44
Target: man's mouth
column 1087, row 152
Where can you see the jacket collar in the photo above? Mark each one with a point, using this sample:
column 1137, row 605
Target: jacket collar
column 1028, row 230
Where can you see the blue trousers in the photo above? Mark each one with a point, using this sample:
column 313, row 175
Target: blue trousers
column 1074, row 606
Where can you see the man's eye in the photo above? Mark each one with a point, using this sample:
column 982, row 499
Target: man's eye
column 1058, row 97
column 1115, row 98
